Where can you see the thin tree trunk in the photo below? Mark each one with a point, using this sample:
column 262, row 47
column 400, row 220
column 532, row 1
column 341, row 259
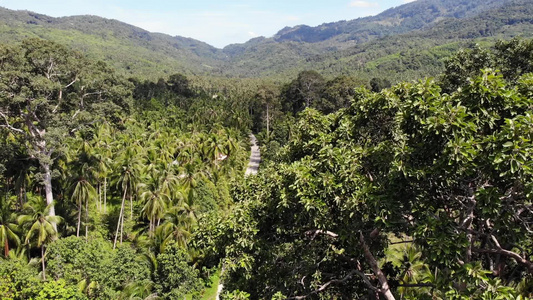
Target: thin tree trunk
column 122, row 229
column 120, row 218
column 6, row 247
column 131, row 206
column 79, row 221
column 86, row 220
column 48, row 190
column 42, row 261
column 105, row 195
column 99, row 204
column 268, row 124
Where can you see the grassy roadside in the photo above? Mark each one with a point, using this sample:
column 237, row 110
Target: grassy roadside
column 210, row 292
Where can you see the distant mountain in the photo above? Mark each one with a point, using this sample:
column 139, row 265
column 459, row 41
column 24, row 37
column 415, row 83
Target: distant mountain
column 128, row 48
column 390, row 38
column 409, row 40
column 405, row 18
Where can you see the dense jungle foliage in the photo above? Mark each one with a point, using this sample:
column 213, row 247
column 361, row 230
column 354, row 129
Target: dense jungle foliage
column 127, row 188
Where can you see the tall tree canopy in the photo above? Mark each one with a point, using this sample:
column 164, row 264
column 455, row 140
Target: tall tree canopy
column 47, row 92
column 447, row 174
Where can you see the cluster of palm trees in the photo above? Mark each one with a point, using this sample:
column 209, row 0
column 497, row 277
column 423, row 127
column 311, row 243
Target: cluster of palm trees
column 142, row 179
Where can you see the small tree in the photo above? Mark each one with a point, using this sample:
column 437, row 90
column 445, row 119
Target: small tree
column 41, row 226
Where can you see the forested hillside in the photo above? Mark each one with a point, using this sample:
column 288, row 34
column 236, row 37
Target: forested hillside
column 129, row 49
column 396, row 159
column 115, row 188
column 409, row 41
column 398, row 49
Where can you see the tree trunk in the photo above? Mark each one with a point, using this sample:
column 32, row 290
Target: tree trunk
column 6, row 248
column 42, row 261
column 268, row 123
column 122, row 229
column 99, row 204
column 79, row 221
column 48, row 190
column 120, row 218
column 385, row 289
column 105, row 195
column 86, row 220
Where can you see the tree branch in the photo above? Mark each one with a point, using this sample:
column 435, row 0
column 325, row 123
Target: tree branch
column 8, row 126
column 367, row 281
column 402, row 242
column 385, row 290
column 314, row 233
column 499, row 250
column 325, row 285
column 416, row 285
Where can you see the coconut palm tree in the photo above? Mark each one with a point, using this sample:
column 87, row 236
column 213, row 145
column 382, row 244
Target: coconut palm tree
column 129, row 172
column 102, row 144
column 41, row 225
column 155, row 203
column 82, row 194
column 84, row 170
column 176, row 227
column 407, row 258
column 8, row 229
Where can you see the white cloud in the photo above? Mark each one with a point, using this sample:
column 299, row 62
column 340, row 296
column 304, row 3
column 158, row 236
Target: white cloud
column 408, row 1
column 252, row 34
column 363, row 4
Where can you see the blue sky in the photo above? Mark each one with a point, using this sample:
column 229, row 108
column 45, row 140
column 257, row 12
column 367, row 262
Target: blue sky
column 218, row 23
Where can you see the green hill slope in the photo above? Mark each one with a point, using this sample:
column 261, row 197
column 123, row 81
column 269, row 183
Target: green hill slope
column 130, row 49
column 408, row 41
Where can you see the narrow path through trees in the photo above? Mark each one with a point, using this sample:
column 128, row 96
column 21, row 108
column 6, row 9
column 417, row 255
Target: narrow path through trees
column 253, row 167
column 255, row 157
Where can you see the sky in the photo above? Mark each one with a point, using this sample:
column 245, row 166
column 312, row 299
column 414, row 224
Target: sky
column 216, row 22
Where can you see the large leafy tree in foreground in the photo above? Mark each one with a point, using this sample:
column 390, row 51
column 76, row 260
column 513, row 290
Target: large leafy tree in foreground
column 47, row 92
column 449, row 174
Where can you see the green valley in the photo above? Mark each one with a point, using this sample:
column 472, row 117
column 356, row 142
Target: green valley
column 385, row 157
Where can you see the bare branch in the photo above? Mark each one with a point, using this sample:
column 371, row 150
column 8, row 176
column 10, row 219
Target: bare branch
column 402, row 242
column 517, row 257
column 314, row 233
column 73, row 81
column 367, row 281
column 8, row 126
column 413, row 285
column 94, row 93
column 326, row 285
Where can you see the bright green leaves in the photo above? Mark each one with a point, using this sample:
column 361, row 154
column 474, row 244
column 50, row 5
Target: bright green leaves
column 452, row 171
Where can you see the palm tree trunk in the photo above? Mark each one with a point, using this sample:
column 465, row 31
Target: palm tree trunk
column 99, row 204
column 131, row 206
column 122, row 229
column 86, row 220
column 268, row 124
column 105, row 195
column 79, row 221
column 120, row 218
column 42, row 261
column 6, row 248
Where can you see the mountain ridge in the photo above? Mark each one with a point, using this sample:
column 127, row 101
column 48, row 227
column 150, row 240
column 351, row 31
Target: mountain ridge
column 138, row 52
